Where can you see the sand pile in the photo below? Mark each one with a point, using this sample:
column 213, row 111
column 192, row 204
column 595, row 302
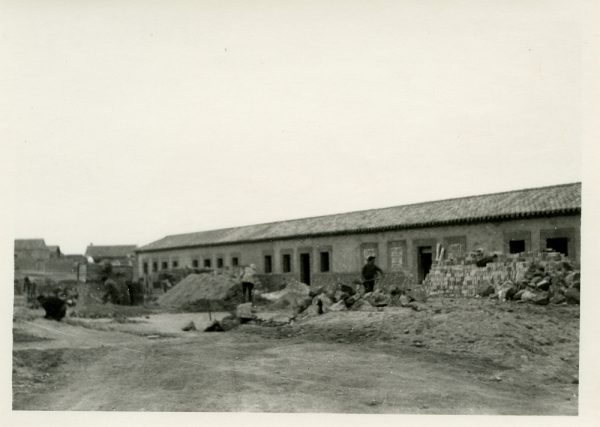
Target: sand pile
column 201, row 292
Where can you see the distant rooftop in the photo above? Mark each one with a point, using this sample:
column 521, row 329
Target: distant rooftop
column 533, row 202
column 29, row 244
column 109, row 251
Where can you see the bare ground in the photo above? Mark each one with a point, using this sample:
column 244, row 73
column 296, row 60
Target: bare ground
column 455, row 357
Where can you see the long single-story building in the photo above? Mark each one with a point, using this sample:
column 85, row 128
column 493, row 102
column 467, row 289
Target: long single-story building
column 404, row 238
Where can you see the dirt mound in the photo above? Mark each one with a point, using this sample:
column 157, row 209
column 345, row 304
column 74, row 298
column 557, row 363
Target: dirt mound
column 201, row 292
column 541, row 341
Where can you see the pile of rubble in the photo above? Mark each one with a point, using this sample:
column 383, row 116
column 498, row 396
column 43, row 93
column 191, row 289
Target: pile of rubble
column 244, row 313
column 554, row 283
column 305, row 301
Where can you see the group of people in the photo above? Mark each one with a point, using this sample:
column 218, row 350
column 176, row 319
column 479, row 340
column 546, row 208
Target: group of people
column 249, row 279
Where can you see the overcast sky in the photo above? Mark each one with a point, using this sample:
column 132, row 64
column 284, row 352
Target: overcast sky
column 134, row 120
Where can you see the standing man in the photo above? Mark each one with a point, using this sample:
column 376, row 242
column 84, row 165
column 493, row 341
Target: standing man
column 27, row 287
column 369, row 274
column 249, row 279
column 112, row 291
column 31, row 290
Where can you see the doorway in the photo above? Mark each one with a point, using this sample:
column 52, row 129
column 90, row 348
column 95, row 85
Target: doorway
column 425, row 260
column 558, row 244
column 305, row 268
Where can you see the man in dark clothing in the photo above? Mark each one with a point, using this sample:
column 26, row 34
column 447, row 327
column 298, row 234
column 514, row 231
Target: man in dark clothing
column 30, row 290
column 112, row 291
column 369, row 274
column 55, row 307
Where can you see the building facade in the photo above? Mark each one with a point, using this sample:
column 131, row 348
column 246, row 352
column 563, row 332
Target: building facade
column 406, row 240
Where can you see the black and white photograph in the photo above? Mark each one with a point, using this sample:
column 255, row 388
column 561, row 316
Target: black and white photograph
column 269, row 208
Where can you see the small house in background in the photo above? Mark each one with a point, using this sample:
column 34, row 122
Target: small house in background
column 34, row 249
column 34, row 258
column 116, row 255
column 34, row 254
column 54, row 251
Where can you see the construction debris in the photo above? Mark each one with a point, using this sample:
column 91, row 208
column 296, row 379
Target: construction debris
column 338, row 306
column 223, row 325
column 295, row 295
column 339, row 297
column 555, row 283
column 362, row 305
column 244, row 312
column 323, row 302
column 541, row 278
column 541, row 284
column 328, row 289
column 485, row 290
column 377, row 299
column 572, row 295
column 189, row 327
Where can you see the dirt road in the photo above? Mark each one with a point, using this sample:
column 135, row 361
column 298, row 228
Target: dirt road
column 60, row 366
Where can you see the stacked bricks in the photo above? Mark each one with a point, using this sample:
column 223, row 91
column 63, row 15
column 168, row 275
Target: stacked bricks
column 464, row 279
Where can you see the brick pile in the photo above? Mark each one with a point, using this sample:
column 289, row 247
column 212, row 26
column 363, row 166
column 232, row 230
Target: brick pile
column 463, row 278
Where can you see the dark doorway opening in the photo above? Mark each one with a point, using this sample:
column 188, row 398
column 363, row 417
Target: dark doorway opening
column 268, row 264
column 324, row 262
column 287, row 263
column 516, row 246
column 305, row 268
column 425, row 260
column 558, row 244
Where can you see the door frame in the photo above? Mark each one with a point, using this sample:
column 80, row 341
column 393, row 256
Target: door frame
column 417, row 244
column 306, row 251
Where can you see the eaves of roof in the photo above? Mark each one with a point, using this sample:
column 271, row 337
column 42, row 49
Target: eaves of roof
column 460, row 221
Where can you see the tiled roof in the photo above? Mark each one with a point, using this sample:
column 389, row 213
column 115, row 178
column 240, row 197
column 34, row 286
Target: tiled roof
column 114, row 251
column 29, row 244
column 543, row 201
